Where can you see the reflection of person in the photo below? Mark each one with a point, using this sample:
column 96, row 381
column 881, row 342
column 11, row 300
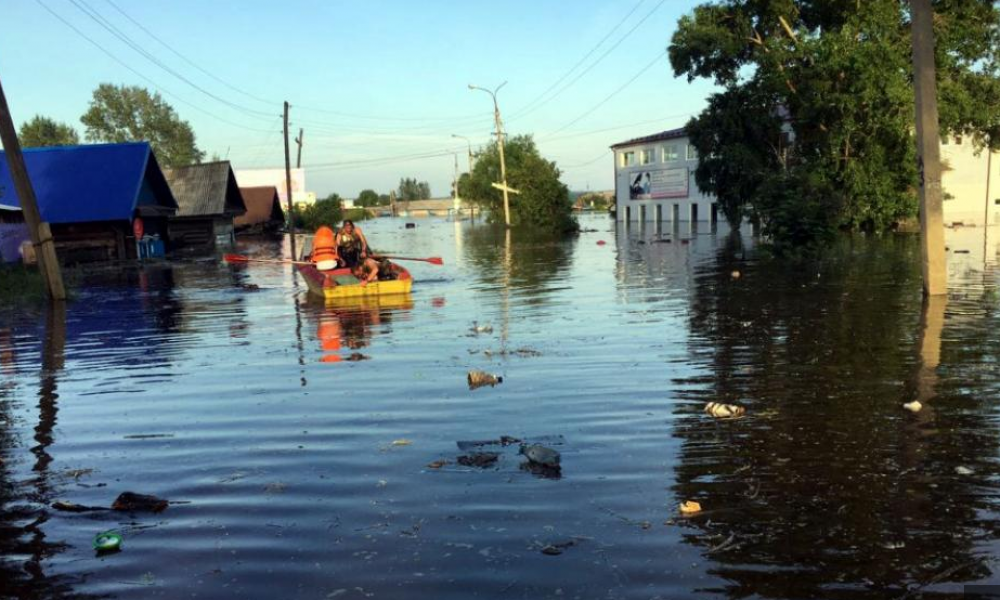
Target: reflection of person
column 352, row 245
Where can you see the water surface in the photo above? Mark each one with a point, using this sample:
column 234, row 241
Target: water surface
column 295, row 438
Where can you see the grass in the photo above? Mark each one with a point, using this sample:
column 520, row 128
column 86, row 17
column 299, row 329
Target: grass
column 20, row 284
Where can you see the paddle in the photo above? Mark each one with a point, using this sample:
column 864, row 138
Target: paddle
column 434, row 260
column 239, row 258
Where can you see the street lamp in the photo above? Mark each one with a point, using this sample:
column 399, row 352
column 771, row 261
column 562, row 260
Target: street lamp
column 469, row 142
column 503, row 166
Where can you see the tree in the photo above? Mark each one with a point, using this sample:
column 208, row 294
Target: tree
column 43, row 131
column 543, row 200
column 328, row 211
column 411, row 189
column 835, row 78
column 367, row 198
column 131, row 114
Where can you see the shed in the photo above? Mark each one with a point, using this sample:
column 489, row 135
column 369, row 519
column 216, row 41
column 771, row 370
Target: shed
column 208, row 200
column 264, row 214
column 92, row 195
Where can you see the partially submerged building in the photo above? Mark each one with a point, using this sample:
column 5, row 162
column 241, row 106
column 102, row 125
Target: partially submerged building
column 208, row 201
column 96, row 197
column 263, row 214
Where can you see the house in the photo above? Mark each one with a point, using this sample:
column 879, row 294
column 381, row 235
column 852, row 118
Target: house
column 264, row 214
column 208, row 200
column 96, row 198
column 13, row 233
column 654, row 180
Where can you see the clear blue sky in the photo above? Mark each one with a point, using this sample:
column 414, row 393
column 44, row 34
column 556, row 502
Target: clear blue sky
column 374, row 84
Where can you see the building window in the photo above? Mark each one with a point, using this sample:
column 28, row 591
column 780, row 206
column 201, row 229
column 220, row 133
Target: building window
column 628, row 159
column 692, row 152
column 670, row 153
column 645, row 157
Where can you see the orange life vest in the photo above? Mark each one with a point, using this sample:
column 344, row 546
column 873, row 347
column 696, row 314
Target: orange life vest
column 324, row 247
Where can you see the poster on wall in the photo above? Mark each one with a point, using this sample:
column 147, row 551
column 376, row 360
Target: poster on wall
column 659, row 183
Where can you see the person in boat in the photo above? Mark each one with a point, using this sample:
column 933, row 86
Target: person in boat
column 324, row 249
column 352, row 247
column 370, row 270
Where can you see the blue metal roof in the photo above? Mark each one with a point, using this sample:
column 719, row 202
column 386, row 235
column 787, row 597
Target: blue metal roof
column 99, row 182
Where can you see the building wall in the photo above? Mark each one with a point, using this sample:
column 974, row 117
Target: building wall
column 964, row 183
column 655, row 182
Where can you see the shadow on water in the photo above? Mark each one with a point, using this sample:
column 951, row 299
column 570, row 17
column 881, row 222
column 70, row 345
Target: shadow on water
column 829, row 488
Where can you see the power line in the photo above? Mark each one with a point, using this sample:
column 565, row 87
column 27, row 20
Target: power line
column 589, row 162
column 592, row 65
column 659, row 55
column 188, row 60
column 100, row 20
column 140, row 75
column 581, row 61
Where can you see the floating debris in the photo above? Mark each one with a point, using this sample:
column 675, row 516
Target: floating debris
column 964, row 470
column 559, row 547
column 480, row 460
column 71, row 507
column 542, row 455
column 690, row 507
column 437, row 464
column 107, row 542
column 250, row 287
column 724, row 411
column 148, row 436
column 476, row 328
column 478, row 379
column 401, row 442
column 601, row 242
column 735, row 275
column 132, row 502
column 914, row 406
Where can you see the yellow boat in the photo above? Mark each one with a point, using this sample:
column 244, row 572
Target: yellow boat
column 339, row 284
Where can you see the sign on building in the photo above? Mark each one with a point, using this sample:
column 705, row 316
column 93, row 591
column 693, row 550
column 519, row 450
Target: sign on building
column 651, row 184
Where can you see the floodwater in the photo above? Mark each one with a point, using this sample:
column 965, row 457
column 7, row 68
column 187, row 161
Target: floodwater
column 294, row 440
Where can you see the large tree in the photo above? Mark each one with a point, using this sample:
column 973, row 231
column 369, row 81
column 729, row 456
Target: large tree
column 367, row 198
column 411, row 189
column 543, row 200
column 328, row 211
column 43, row 131
column 834, row 79
column 132, row 114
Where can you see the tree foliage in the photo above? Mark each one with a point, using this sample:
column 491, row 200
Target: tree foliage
column 328, row 211
column 411, row 189
column 131, row 114
column 369, row 198
column 836, row 76
column 543, row 200
column 43, row 131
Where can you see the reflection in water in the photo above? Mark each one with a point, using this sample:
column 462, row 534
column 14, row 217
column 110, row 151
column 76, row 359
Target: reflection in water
column 827, row 467
column 347, row 326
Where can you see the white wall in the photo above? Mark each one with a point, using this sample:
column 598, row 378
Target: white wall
column 965, row 180
column 682, row 206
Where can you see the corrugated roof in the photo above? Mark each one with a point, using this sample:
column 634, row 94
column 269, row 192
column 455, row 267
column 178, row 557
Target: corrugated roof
column 263, row 206
column 205, row 189
column 96, row 182
column 670, row 134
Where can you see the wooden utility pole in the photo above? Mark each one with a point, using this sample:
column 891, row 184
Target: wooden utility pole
column 500, row 142
column 298, row 159
column 928, row 149
column 288, row 188
column 41, row 235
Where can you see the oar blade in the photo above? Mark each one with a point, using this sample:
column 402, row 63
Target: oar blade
column 235, row 258
column 435, row 260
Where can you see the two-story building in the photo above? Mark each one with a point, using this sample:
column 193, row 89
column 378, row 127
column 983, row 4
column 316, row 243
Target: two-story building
column 654, row 180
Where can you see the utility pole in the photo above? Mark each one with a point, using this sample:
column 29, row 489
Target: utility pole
column 457, row 203
column 288, row 188
column 503, row 166
column 41, row 235
column 298, row 160
column 472, row 207
column 928, row 150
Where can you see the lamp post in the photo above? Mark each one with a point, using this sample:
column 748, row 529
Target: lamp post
column 503, row 166
column 469, row 142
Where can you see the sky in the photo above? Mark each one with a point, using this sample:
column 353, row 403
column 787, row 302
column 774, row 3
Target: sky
column 378, row 87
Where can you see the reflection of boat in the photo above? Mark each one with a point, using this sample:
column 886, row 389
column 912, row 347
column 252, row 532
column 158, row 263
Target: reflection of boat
column 339, row 284
column 349, row 322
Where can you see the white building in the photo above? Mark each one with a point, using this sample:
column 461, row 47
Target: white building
column 654, row 180
column 970, row 182
column 276, row 178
